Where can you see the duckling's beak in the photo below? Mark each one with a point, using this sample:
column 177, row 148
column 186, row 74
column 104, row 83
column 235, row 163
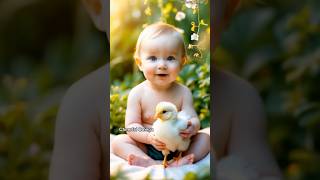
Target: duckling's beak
column 157, row 115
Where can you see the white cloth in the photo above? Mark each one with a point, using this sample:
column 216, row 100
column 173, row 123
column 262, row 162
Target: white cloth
column 156, row 171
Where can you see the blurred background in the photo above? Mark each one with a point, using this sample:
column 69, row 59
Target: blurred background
column 275, row 45
column 45, row 46
column 127, row 20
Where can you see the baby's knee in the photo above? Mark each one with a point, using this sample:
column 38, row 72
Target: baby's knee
column 118, row 140
column 204, row 138
column 205, row 130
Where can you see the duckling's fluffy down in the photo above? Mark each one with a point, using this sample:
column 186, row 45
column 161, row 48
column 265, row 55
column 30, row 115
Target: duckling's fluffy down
column 168, row 128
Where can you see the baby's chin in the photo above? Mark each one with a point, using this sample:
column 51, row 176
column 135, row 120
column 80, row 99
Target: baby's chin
column 162, row 82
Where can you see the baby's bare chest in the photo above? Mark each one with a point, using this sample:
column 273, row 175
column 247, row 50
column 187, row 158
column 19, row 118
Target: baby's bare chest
column 148, row 106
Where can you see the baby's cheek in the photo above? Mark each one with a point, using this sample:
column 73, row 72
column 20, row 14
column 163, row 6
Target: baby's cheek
column 149, row 71
column 175, row 69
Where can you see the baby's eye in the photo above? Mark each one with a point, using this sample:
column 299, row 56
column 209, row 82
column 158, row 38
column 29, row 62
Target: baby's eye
column 170, row 58
column 152, row 58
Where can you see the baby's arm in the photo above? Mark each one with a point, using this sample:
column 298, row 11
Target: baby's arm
column 187, row 106
column 239, row 102
column 133, row 117
column 248, row 134
column 79, row 143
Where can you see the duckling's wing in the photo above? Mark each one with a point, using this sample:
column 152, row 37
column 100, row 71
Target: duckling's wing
column 182, row 120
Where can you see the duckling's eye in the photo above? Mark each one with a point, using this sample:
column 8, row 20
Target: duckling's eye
column 164, row 111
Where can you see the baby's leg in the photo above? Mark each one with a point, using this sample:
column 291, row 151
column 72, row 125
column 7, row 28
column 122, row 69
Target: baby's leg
column 198, row 149
column 132, row 151
column 199, row 146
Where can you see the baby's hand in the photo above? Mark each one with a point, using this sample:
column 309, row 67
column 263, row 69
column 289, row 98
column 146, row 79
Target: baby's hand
column 189, row 131
column 155, row 142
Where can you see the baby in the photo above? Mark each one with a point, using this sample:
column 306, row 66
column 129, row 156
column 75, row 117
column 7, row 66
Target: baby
column 160, row 54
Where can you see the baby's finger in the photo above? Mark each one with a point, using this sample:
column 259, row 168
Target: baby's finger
column 189, row 130
column 157, row 148
column 184, row 131
column 184, row 135
column 160, row 147
column 160, row 142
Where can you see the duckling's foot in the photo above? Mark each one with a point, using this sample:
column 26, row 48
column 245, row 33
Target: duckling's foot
column 165, row 164
column 178, row 158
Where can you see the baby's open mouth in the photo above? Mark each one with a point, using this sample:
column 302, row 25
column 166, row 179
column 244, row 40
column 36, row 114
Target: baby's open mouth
column 162, row 75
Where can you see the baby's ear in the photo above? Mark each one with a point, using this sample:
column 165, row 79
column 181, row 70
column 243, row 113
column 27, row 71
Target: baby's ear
column 138, row 63
column 183, row 60
column 99, row 13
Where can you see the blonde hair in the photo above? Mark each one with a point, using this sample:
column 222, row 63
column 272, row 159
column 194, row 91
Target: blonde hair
column 153, row 31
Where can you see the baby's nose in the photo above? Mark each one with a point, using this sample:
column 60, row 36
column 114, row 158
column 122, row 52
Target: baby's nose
column 162, row 64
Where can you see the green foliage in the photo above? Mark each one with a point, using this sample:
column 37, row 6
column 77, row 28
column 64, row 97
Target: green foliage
column 276, row 47
column 119, row 175
column 203, row 174
column 25, row 142
column 197, row 78
column 190, row 176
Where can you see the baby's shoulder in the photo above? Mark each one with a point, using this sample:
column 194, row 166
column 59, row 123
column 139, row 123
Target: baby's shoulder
column 233, row 92
column 90, row 87
column 229, row 84
column 138, row 89
column 182, row 89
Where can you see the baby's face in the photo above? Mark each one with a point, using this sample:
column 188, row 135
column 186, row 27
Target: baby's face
column 161, row 59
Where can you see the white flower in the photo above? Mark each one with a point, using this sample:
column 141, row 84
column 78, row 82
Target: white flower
column 194, row 37
column 136, row 14
column 191, row 4
column 194, row 6
column 188, row 3
column 180, row 16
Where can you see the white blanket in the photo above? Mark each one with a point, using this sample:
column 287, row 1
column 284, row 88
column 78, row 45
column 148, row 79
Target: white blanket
column 201, row 168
